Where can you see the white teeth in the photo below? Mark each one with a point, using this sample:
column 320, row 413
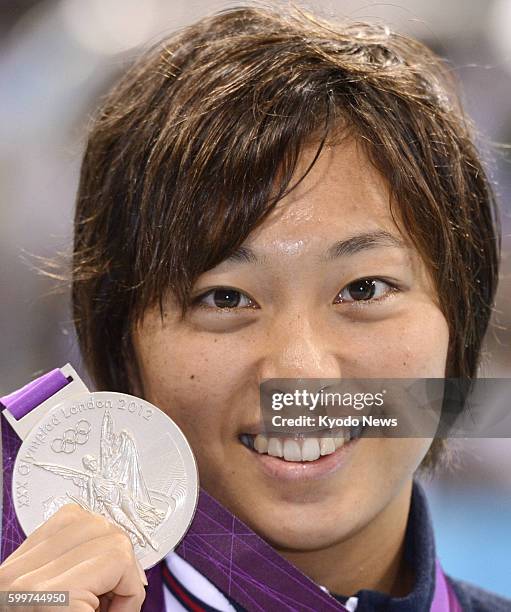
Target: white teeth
column 339, row 442
column 292, row 450
column 275, row 447
column 310, row 449
column 301, row 449
column 261, row 443
column 326, row 446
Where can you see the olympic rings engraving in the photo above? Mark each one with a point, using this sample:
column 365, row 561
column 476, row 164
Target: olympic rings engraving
column 71, row 437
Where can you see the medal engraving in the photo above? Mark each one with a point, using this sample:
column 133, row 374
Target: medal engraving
column 71, row 438
column 115, row 455
column 22, row 494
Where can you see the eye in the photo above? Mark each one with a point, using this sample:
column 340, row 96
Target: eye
column 365, row 290
column 224, row 298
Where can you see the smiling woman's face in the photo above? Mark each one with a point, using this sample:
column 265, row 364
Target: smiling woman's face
column 287, row 306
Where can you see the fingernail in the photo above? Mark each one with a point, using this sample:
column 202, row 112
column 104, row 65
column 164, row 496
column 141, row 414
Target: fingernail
column 143, row 577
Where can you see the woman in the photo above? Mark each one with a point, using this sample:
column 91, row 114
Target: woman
column 268, row 195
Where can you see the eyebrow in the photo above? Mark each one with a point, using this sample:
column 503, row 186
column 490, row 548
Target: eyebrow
column 361, row 242
column 343, row 248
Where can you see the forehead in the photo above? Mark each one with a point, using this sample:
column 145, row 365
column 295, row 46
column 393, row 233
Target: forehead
column 343, row 194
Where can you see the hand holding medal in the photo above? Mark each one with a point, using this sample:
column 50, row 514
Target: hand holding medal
column 113, row 454
column 82, row 494
column 78, row 558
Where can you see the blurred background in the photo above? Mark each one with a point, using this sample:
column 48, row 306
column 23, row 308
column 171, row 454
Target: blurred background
column 57, row 57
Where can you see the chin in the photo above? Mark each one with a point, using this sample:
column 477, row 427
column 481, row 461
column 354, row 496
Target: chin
column 301, row 530
column 304, row 537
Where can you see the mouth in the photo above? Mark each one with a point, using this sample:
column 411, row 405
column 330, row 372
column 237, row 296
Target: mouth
column 299, row 448
column 299, row 458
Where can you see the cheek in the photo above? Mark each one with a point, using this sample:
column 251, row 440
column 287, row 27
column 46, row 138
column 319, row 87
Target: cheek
column 193, row 378
column 395, row 458
column 413, row 345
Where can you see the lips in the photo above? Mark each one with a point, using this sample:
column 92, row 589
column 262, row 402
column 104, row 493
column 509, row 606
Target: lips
column 298, row 460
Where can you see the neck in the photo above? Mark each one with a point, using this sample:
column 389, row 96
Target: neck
column 373, row 558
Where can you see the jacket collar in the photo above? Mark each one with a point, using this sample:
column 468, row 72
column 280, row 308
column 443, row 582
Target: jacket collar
column 420, row 555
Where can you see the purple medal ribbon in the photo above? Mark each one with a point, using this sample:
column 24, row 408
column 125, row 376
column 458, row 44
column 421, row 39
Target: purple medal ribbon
column 221, row 547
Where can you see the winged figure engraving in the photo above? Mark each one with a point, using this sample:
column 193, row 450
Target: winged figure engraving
column 113, row 485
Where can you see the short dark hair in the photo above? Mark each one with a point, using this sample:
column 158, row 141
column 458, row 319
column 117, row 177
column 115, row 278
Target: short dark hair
column 200, row 138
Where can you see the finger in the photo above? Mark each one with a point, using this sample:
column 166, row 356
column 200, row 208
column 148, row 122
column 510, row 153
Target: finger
column 79, row 606
column 88, row 528
column 102, row 565
column 127, row 593
column 67, row 515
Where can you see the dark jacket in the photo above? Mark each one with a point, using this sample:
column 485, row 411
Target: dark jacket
column 420, row 554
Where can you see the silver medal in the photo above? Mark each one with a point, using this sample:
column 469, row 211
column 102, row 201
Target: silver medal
column 114, row 454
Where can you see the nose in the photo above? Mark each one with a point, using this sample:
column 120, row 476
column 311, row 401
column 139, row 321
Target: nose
column 299, row 355
column 298, row 347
